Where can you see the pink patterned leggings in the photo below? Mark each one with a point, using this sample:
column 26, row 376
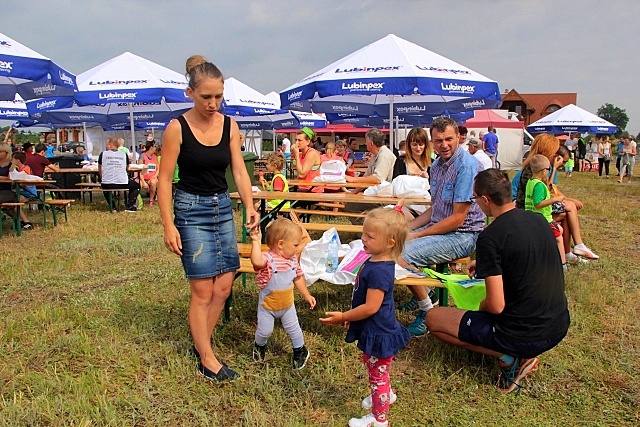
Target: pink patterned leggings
column 380, row 385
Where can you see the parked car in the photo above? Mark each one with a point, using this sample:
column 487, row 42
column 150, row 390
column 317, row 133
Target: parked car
column 71, row 146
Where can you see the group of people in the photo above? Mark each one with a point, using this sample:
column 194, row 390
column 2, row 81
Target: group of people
column 524, row 313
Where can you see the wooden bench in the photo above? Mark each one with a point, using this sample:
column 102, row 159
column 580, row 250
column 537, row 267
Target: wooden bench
column 57, row 206
column 13, row 210
column 91, row 187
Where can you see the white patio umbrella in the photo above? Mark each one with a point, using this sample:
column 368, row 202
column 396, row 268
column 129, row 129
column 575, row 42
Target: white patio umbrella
column 572, row 119
column 26, row 72
column 393, row 76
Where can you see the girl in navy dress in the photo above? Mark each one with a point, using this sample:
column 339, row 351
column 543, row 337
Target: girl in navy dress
column 372, row 319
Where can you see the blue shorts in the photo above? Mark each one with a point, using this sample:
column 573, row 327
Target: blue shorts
column 208, row 234
column 439, row 249
column 477, row 328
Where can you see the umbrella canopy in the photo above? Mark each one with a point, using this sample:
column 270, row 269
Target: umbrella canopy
column 130, row 78
column 572, row 119
column 14, row 110
column 287, row 119
column 242, row 100
column 393, row 71
column 403, row 121
column 25, row 72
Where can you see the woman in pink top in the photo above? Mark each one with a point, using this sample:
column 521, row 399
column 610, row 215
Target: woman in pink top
column 150, row 180
column 307, row 158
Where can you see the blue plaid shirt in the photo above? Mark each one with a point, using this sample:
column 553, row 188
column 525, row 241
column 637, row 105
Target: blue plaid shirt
column 452, row 182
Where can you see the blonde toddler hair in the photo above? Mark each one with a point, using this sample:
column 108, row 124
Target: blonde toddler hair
column 393, row 226
column 281, row 229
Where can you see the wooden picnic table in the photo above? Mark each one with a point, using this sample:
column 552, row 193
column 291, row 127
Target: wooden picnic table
column 17, row 186
column 295, row 197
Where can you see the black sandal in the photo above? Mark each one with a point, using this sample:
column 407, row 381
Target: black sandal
column 224, row 374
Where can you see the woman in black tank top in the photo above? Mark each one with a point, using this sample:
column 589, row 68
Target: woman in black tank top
column 203, row 143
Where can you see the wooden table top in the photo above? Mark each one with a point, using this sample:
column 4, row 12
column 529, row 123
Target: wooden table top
column 331, row 197
column 83, row 170
column 38, row 183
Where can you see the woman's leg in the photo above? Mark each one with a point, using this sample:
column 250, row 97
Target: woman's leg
column 153, row 186
column 574, row 223
column 208, row 296
column 607, row 163
column 600, row 165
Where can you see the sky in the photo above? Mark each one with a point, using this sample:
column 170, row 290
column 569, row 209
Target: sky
column 533, row 46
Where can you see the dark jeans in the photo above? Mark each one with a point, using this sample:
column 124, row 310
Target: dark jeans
column 602, row 161
column 132, row 187
column 618, row 163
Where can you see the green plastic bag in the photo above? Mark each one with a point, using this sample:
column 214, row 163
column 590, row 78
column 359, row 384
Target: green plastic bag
column 467, row 293
column 140, row 202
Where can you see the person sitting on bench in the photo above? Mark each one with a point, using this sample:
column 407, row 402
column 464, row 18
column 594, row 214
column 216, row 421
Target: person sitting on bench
column 112, row 165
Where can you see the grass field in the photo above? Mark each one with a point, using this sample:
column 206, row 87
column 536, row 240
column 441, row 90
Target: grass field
column 94, row 333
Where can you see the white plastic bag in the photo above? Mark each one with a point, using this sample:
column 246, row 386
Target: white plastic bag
column 384, row 189
column 314, row 261
column 23, row 176
column 411, row 186
column 332, row 171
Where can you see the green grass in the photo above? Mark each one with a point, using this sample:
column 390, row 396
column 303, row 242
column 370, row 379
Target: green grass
column 94, row 333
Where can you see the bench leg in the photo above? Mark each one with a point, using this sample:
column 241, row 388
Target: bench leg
column 442, row 293
column 17, row 223
column 54, row 215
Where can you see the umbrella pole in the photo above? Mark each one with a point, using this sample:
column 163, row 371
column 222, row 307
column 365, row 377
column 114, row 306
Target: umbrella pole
column 133, row 130
column 391, row 139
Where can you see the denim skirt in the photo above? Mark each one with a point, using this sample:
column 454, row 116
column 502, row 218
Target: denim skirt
column 208, row 234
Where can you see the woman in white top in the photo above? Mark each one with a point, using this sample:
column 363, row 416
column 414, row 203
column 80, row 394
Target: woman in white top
column 604, row 156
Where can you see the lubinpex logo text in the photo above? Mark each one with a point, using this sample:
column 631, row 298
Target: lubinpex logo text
column 4, row 65
column 42, row 90
column 294, row 95
column 113, row 95
column 65, row 78
column 117, row 82
column 362, row 86
column 13, row 113
column 442, row 70
column 349, row 108
column 456, row 88
column 367, row 69
column 46, row 104
column 474, row 104
column 411, row 109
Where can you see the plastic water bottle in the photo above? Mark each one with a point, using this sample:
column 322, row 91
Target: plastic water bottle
column 332, row 255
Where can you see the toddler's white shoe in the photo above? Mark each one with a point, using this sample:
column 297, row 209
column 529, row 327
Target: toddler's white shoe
column 367, row 421
column 368, row 404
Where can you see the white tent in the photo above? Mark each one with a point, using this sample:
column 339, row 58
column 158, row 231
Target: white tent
column 510, row 134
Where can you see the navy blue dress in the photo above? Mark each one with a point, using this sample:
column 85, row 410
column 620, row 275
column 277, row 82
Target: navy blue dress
column 380, row 335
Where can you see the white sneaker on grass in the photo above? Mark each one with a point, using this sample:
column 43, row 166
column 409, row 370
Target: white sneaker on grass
column 572, row 258
column 368, row 404
column 367, row 421
column 584, row 251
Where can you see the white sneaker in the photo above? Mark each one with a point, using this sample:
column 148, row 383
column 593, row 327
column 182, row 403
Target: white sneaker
column 368, row 404
column 585, row 252
column 367, row 421
column 572, row 258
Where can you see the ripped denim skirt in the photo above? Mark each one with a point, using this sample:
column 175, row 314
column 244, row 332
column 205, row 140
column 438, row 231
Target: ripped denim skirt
column 208, row 234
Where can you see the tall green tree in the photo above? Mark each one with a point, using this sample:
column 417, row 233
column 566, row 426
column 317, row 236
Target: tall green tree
column 615, row 115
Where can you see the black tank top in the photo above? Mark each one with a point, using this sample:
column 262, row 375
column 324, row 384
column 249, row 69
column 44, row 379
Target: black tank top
column 202, row 167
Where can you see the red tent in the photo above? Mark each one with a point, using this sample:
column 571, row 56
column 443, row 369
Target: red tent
column 486, row 118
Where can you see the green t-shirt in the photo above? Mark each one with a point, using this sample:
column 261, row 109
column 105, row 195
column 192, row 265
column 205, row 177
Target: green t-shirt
column 537, row 192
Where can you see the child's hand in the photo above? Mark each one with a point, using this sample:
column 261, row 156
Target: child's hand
column 333, row 318
column 263, row 182
column 559, row 199
column 311, row 301
column 255, row 234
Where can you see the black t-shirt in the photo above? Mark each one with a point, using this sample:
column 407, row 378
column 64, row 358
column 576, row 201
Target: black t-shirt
column 4, row 171
column 582, row 147
column 519, row 245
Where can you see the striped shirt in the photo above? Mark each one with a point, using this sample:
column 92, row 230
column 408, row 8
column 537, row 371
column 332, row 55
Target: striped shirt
column 281, row 263
column 452, row 182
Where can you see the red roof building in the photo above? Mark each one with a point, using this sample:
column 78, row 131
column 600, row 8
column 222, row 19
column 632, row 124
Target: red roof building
column 531, row 107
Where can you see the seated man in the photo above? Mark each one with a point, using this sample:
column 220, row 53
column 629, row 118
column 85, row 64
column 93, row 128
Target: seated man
column 39, row 163
column 525, row 310
column 475, row 149
column 380, row 169
column 112, row 165
column 450, row 228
